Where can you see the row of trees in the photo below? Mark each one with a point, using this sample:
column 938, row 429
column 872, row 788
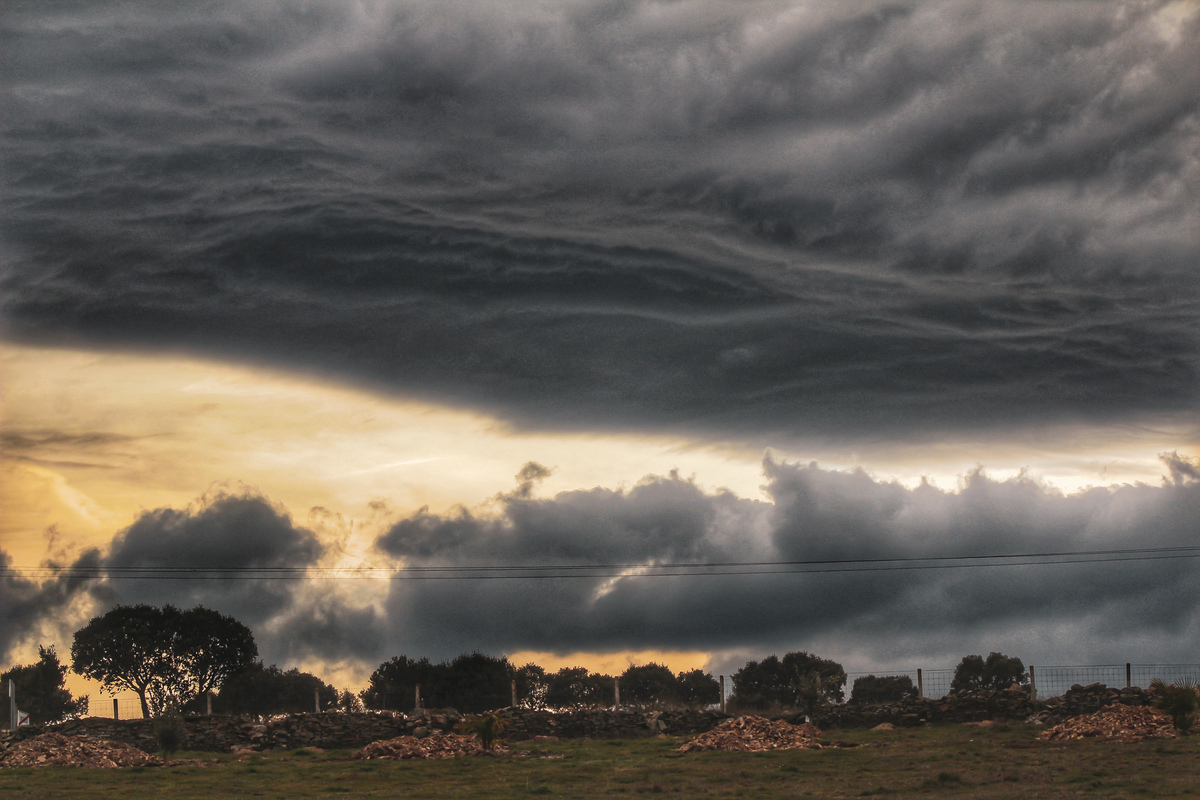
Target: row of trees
column 477, row 682
column 174, row 659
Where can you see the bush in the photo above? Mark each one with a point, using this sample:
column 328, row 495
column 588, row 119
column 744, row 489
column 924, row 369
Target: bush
column 169, row 731
column 885, row 689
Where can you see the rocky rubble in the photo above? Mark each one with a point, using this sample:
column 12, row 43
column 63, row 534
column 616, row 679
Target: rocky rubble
column 755, row 734
column 1117, row 723
column 74, row 751
column 435, row 745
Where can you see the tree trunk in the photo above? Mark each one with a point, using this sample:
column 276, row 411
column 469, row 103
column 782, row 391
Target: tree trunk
column 145, row 706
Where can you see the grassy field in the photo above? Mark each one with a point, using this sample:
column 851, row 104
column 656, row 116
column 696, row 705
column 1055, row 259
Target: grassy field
column 1002, row 762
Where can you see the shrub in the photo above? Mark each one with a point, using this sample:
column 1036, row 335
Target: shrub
column 1179, row 699
column 168, row 732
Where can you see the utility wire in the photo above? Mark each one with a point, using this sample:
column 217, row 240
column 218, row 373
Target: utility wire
column 621, row 570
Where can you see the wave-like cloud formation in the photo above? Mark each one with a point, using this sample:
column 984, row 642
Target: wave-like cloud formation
column 1073, row 611
column 754, row 219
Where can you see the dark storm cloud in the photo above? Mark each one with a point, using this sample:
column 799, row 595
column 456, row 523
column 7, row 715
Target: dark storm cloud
column 752, row 219
column 813, row 515
column 29, row 608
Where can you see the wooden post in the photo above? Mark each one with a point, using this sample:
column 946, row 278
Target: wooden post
column 208, row 704
column 317, row 700
column 116, row 713
column 722, row 694
column 1128, row 675
column 1032, row 684
column 12, row 705
column 920, row 685
column 616, row 694
column 514, row 693
column 417, row 697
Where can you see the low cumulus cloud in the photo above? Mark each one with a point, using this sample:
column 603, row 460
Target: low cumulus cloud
column 1064, row 611
column 566, row 573
column 757, row 219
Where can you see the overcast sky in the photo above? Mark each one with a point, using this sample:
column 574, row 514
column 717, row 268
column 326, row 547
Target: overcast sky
column 932, row 238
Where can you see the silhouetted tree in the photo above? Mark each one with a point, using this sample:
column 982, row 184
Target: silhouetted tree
column 263, row 690
column 798, row 680
column 164, row 655
column 40, row 690
column 997, row 672
column 576, row 687
column 649, row 685
column 698, row 688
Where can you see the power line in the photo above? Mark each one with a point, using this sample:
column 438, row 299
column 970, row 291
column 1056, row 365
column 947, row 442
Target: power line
column 607, row 571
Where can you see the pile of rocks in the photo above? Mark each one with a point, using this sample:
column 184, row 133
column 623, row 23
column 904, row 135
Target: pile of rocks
column 1118, row 723
column 755, row 734
column 435, row 745
column 73, row 751
column 1089, row 699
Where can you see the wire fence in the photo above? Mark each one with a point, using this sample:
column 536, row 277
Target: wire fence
column 1051, row 681
column 115, row 708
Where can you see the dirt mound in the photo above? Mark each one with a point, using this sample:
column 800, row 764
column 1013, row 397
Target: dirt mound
column 1118, row 723
column 755, row 734
column 74, row 751
column 435, row 745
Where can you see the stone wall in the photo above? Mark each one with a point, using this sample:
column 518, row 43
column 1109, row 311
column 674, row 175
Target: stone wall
column 334, row 730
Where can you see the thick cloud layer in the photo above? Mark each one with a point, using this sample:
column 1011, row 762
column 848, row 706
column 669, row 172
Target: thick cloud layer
column 1106, row 609
column 754, row 219
column 1067, row 609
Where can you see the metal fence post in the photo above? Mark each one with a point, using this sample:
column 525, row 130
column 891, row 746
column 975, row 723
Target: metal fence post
column 920, row 685
column 1128, row 675
column 1032, row 684
column 12, row 704
column 116, row 711
column 722, row 694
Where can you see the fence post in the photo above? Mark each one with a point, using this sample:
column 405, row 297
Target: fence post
column 1032, row 684
column 317, row 700
column 722, row 694
column 417, row 697
column 514, row 693
column 1128, row 675
column 12, row 705
column 616, row 694
column 116, row 712
column 920, row 685
column 208, row 704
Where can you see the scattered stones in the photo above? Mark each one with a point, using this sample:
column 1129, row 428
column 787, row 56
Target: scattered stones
column 755, row 734
column 1117, row 723
column 74, row 751
column 884, row 726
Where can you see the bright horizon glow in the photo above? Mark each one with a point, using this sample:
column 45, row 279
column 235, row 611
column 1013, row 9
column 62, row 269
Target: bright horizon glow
column 93, row 439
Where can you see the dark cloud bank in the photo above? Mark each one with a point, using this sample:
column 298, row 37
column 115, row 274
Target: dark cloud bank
column 755, row 220
column 1073, row 613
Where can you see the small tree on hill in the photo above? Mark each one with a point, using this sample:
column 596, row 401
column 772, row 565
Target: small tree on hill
column 40, row 690
column 798, row 680
column 698, row 688
column 997, row 672
column 576, row 687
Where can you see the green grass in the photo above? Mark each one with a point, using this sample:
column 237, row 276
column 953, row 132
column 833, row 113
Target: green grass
column 934, row 762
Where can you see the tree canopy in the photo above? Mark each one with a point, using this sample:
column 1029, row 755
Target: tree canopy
column 262, row 690
column 40, row 689
column 798, row 680
column 164, row 655
column 997, row 672
column 870, row 689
